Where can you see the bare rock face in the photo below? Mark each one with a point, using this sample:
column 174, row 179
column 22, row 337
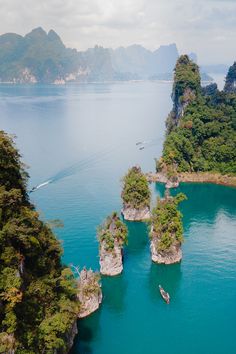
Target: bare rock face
column 172, row 184
column 170, row 256
column 89, row 292
column 112, row 236
column 110, row 261
column 132, row 214
column 161, row 177
column 70, row 336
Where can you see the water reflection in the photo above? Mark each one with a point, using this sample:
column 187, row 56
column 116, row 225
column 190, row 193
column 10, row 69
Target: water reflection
column 88, row 330
column 137, row 237
column 114, row 291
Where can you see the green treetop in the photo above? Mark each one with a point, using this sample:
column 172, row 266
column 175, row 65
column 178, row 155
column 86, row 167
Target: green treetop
column 135, row 193
column 186, row 76
column 112, row 232
column 166, row 222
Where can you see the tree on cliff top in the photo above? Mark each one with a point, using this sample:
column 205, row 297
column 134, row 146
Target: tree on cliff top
column 186, row 76
column 112, row 231
column 166, row 222
column 37, row 294
column 135, row 193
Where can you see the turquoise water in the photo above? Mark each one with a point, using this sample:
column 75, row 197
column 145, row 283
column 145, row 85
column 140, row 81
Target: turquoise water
column 82, row 139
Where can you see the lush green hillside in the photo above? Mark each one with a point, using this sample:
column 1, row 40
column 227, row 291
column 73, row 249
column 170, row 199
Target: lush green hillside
column 201, row 128
column 37, row 293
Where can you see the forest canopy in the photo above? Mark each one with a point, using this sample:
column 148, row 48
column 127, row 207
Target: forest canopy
column 201, row 129
column 166, row 222
column 38, row 305
column 135, row 193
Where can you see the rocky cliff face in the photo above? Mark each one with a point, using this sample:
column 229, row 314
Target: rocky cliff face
column 132, row 214
column 181, row 102
column 187, row 84
column 170, row 256
column 230, row 82
column 70, row 336
column 112, row 236
column 89, row 292
column 111, row 262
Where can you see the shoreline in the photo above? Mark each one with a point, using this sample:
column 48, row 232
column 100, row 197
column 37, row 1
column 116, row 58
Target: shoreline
column 195, row 177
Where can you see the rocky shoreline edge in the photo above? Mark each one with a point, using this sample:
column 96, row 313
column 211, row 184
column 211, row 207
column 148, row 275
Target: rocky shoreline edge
column 192, row 177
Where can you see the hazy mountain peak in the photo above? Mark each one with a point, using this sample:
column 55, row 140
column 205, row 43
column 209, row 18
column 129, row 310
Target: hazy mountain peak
column 36, row 33
column 52, row 35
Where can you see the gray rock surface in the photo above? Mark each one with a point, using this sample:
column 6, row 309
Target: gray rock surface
column 89, row 292
column 110, row 261
column 172, row 255
column 132, row 214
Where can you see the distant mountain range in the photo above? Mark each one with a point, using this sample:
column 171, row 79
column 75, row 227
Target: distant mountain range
column 41, row 57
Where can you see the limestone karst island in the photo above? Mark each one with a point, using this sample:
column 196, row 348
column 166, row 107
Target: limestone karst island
column 117, row 177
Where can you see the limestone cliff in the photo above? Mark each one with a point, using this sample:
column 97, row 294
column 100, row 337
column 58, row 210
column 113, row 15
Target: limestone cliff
column 170, row 256
column 111, row 235
column 89, row 292
column 133, row 214
column 187, row 84
column 230, row 82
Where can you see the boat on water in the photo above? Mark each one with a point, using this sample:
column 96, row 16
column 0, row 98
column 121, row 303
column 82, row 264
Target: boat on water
column 141, row 148
column 139, row 143
column 164, row 294
column 40, row 186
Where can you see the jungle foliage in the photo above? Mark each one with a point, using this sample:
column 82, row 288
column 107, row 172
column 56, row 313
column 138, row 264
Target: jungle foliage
column 136, row 192
column 166, row 222
column 113, row 232
column 37, row 293
column 203, row 137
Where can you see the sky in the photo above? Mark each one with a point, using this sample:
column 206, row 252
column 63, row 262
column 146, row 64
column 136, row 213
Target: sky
column 206, row 27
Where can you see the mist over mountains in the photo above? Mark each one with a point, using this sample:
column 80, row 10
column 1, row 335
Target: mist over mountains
column 41, row 57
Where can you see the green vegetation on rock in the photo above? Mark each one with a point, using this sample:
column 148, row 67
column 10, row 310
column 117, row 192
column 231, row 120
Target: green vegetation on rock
column 136, row 193
column 38, row 304
column 201, row 129
column 186, row 76
column 230, row 82
column 112, row 232
column 166, row 222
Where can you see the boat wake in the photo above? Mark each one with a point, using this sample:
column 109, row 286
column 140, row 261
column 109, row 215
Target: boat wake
column 148, row 143
column 41, row 185
column 73, row 169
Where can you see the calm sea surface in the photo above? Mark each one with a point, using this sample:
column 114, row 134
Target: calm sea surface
column 79, row 141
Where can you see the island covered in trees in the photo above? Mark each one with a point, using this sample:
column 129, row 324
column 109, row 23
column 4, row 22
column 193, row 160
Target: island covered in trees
column 136, row 195
column 167, row 230
column 200, row 142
